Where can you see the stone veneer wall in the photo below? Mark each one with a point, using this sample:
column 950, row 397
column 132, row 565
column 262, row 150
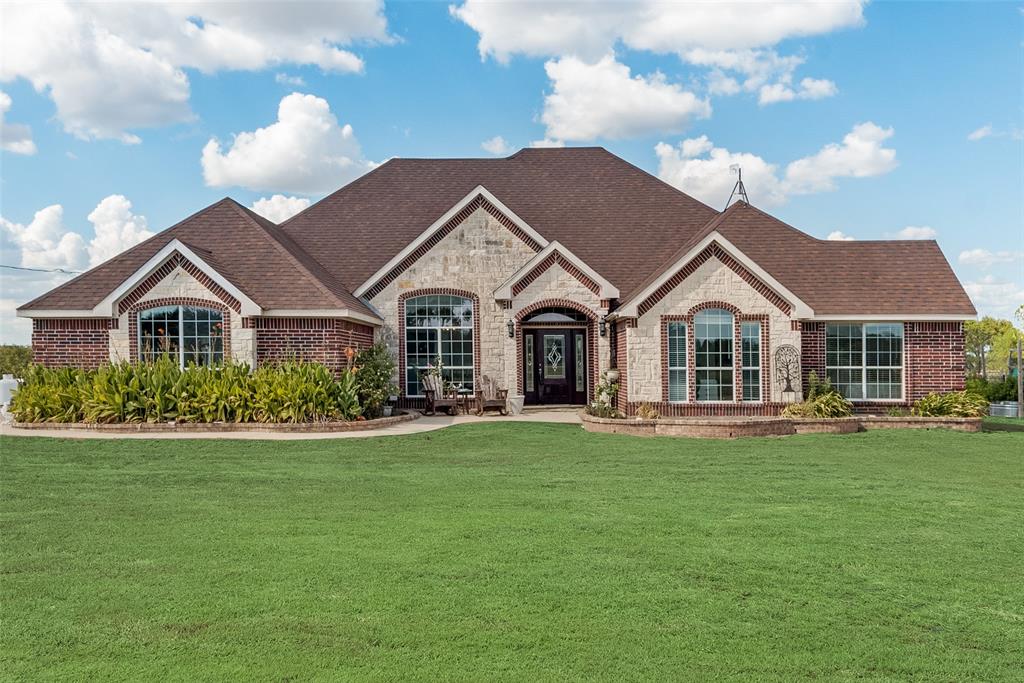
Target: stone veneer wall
column 712, row 281
column 181, row 287
column 476, row 256
column 77, row 342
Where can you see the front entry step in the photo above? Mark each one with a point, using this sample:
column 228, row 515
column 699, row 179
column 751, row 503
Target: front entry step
column 560, row 407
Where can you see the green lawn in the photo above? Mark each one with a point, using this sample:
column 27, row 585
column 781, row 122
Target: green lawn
column 515, row 551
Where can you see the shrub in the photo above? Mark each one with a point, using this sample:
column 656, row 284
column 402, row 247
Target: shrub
column 374, row 377
column 160, row 391
column 952, row 404
column 14, row 360
column 647, row 412
column 1004, row 389
column 822, row 400
column 603, row 404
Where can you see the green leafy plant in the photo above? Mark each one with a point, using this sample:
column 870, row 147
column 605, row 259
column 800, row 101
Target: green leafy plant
column 160, row 391
column 952, row 404
column 822, row 401
column 603, row 404
column 374, row 377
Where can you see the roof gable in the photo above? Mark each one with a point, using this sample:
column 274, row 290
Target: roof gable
column 555, row 254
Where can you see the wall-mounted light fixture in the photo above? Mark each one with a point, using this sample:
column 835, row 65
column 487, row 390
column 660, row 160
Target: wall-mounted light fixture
column 602, row 326
column 511, row 327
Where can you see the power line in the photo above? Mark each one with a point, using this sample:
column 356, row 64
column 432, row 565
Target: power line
column 42, row 270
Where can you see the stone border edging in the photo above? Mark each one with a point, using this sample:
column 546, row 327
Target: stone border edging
column 734, row 427
column 225, row 427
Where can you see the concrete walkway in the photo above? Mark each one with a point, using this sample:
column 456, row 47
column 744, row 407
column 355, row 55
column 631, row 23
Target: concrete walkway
column 423, row 424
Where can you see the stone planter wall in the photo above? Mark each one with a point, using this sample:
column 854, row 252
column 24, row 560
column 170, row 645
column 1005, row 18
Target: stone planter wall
column 225, row 427
column 731, row 428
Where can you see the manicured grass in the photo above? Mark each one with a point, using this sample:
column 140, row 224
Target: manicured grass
column 1005, row 424
column 515, row 551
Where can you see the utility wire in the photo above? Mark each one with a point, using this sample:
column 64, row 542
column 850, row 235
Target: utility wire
column 42, row 270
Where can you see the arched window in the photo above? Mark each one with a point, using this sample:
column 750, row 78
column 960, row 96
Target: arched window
column 190, row 334
column 713, row 357
column 439, row 326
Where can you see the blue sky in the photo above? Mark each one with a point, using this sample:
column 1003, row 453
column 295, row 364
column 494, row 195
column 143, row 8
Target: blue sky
column 877, row 103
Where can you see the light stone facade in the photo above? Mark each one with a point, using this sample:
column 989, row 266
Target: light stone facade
column 179, row 284
column 478, row 256
column 712, row 281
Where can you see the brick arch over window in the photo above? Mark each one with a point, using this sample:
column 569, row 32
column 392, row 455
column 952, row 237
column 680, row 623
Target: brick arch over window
column 445, row 291
column 133, row 319
column 738, row 318
column 591, row 339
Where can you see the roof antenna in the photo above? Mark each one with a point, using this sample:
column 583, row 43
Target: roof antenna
column 737, row 190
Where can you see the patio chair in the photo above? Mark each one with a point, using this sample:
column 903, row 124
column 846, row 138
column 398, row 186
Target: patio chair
column 438, row 396
column 490, row 397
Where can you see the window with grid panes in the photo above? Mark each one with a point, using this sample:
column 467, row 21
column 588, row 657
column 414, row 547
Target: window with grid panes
column 439, row 325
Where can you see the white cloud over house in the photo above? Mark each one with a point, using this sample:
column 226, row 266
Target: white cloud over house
column 985, row 258
column 15, row 138
column 698, row 167
column 47, row 243
column 917, row 232
column 305, row 151
column 278, row 207
column 112, row 68
column 604, row 100
column 839, row 236
column 496, row 146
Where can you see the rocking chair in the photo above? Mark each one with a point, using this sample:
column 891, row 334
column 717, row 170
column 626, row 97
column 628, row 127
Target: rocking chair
column 438, row 397
column 490, row 397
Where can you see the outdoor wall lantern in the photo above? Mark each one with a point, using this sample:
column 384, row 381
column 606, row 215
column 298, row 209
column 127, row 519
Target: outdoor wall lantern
column 602, row 326
column 511, row 327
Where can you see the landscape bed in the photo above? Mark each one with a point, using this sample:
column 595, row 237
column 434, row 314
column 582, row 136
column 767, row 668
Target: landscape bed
column 225, row 427
column 512, row 551
column 735, row 427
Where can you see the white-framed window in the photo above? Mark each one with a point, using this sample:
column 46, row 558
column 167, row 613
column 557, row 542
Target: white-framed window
column 439, row 325
column 677, row 385
column 713, row 354
column 750, row 336
column 193, row 335
column 864, row 361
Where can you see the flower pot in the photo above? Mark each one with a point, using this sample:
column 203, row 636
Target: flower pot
column 515, row 404
column 612, row 375
column 386, row 411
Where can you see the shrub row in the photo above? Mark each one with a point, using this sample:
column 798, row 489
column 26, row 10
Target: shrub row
column 1004, row 389
column 291, row 391
column 953, row 404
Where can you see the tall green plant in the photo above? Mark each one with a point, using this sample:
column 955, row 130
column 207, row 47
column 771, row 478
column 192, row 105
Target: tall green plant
column 374, row 377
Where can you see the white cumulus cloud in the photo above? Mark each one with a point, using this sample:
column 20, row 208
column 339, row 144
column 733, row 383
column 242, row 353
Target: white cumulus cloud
column 288, row 79
column 603, row 100
column 496, row 145
column 305, row 151
column 111, row 68
column 994, row 296
column 917, row 232
column 810, row 89
column 279, row 208
column 14, row 137
column 547, row 143
column 986, row 259
column 590, row 29
column 698, row 167
column 839, row 236
column 115, row 228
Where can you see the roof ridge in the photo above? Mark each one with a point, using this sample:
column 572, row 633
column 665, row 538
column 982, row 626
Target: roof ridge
column 280, row 246
column 346, row 186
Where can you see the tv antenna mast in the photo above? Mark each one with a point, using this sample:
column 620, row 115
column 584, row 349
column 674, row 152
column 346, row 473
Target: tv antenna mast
column 738, row 190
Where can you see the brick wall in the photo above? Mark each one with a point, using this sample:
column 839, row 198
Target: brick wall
column 77, row 342
column 933, row 357
column 622, row 364
column 321, row 340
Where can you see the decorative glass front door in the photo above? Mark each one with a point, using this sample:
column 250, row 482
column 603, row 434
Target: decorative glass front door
column 554, row 366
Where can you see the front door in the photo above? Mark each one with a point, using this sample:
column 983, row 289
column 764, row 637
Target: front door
column 554, row 366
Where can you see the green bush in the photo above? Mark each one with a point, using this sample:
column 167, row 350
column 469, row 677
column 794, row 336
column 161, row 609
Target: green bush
column 161, row 392
column 994, row 390
column 14, row 360
column 374, row 378
column 953, row 404
column 822, row 401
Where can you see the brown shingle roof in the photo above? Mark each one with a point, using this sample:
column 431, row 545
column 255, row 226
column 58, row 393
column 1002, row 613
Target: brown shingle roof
column 617, row 218
column 248, row 250
column 623, row 222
